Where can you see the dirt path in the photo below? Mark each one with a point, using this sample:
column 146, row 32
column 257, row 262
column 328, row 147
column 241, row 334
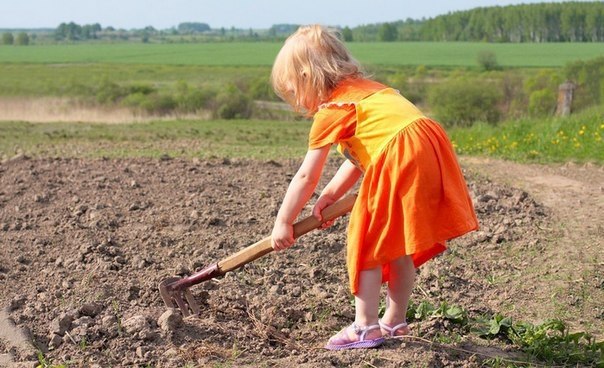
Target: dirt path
column 84, row 243
column 567, row 277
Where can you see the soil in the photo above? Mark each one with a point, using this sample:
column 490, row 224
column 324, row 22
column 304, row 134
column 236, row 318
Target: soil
column 85, row 242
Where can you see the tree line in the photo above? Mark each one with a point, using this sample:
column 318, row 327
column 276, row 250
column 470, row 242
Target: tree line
column 543, row 22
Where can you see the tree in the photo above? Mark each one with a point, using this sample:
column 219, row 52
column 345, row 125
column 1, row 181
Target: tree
column 69, row 31
column 22, row 39
column 8, row 38
column 193, row 27
column 347, row 34
column 388, row 32
column 487, row 60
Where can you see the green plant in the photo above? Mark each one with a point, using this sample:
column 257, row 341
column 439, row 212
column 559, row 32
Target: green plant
column 588, row 77
column 116, row 311
column 487, row 60
column 108, row 91
column 496, row 326
column 461, row 102
column 45, row 363
column 8, row 38
column 233, row 104
column 542, row 102
column 261, row 89
column 189, row 99
column 83, row 343
column 549, row 342
column 552, row 342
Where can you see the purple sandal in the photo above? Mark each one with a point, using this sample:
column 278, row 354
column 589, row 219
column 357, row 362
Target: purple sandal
column 392, row 331
column 341, row 341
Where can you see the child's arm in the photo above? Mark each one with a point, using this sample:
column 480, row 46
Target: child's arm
column 342, row 181
column 298, row 193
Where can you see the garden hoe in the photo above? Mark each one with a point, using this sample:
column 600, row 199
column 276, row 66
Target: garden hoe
column 175, row 290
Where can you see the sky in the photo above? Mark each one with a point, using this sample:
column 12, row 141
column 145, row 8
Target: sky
column 256, row 14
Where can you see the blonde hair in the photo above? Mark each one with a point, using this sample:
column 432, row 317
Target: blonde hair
column 308, row 67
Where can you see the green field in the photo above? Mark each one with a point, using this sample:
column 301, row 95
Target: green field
column 35, row 79
column 437, row 54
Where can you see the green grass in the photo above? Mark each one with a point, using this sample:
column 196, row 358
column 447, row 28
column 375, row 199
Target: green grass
column 79, row 79
column 556, row 139
column 204, row 139
column 448, row 54
column 575, row 138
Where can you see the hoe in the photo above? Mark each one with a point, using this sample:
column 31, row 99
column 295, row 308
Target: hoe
column 175, row 290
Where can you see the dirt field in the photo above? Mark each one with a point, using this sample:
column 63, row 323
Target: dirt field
column 84, row 244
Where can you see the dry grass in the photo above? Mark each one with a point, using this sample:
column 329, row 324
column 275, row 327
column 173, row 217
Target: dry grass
column 54, row 109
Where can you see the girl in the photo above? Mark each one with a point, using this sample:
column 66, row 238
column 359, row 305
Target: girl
column 412, row 197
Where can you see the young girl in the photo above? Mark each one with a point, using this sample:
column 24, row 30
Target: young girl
column 412, row 197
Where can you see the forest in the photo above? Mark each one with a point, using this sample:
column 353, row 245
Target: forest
column 543, row 22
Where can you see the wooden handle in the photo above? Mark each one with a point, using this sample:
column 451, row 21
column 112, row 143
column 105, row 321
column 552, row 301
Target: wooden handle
column 257, row 250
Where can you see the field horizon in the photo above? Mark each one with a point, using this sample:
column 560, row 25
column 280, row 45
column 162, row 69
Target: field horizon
column 435, row 54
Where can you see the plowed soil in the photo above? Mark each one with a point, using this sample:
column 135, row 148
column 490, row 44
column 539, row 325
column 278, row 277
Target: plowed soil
column 85, row 242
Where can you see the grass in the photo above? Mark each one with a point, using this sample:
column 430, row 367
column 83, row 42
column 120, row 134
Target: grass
column 447, row 54
column 555, row 139
column 80, row 79
column 204, row 139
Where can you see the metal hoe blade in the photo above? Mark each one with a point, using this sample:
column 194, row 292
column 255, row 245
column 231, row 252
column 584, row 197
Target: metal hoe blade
column 178, row 298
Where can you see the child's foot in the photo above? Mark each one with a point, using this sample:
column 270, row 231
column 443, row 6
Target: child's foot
column 356, row 337
column 399, row 330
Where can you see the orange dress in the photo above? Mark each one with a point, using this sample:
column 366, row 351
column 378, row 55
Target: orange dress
column 413, row 196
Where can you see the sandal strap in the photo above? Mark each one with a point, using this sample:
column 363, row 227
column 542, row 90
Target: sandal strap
column 362, row 331
column 392, row 330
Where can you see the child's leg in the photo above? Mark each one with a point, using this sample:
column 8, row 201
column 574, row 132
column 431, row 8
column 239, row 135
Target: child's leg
column 366, row 306
column 367, row 300
column 400, row 286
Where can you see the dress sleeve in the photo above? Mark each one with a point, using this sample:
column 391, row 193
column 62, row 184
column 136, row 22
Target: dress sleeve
column 331, row 124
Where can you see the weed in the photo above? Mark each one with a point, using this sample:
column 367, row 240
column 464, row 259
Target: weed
column 45, row 363
column 116, row 310
column 83, row 343
column 550, row 342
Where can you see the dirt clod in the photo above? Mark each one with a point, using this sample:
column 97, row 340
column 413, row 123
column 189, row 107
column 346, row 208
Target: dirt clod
column 170, row 320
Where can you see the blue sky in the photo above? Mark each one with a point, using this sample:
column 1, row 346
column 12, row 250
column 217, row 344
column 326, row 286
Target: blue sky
column 257, row 14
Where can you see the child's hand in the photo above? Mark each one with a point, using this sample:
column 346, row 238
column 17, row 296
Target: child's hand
column 323, row 202
column 282, row 236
